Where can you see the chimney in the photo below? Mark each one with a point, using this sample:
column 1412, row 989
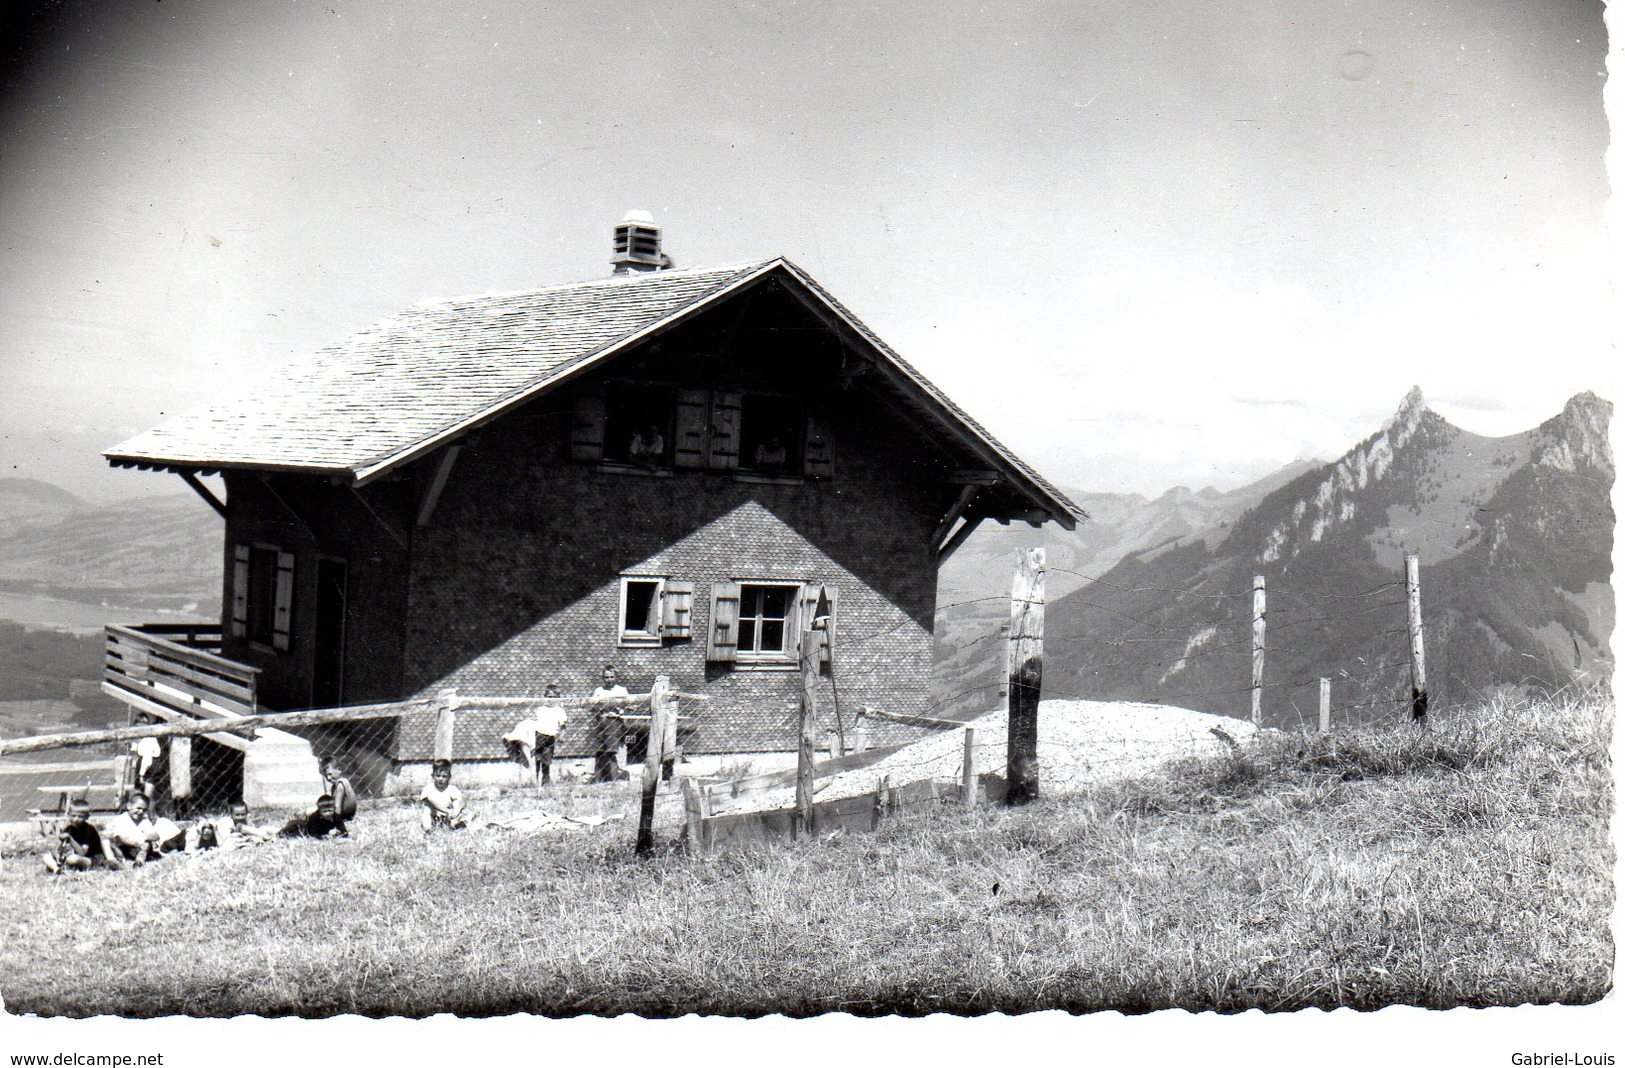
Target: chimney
column 637, row 245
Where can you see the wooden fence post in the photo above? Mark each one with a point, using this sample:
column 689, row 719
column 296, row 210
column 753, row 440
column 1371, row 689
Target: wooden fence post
column 1026, row 652
column 1258, row 650
column 445, row 725
column 653, row 757
column 1419, row 674
column 967, row 776
column 811, row 634
column 1325, row 705
column 180, row 769
column 693, row 817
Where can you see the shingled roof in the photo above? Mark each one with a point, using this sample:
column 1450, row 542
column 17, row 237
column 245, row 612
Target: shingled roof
column 399, row 389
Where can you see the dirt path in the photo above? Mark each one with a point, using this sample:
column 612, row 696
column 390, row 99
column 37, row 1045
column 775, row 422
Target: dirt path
column 1079, row 743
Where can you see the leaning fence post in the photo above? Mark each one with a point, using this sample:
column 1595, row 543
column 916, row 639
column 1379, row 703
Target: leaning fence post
column 968, row 773
column 1419, row 674
column 693, row 817
column 1258, row 650
column 1026, row 664
column 812, row 632
column 445, row 725
column 659, row 714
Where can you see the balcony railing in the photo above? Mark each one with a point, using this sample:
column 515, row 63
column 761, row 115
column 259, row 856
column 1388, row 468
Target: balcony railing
column 175, row 668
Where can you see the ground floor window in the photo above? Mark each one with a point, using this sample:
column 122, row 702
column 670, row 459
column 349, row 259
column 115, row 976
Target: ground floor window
column 765, row 614
column 640, row 610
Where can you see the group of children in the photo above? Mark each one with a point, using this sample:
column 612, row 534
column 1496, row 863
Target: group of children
column 136, row 836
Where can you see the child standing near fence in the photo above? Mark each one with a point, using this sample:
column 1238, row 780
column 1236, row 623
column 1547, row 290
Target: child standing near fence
column 443, row 805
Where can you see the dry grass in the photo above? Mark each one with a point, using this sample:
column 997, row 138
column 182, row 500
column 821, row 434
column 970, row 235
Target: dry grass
column 1466, row 866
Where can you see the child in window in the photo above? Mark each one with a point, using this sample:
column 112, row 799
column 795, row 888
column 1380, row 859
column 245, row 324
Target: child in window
column 442, row 802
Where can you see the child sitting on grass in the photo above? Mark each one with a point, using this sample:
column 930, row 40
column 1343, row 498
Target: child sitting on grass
column 232, row 831
column 325, row 822
column 442, row 802
column 344, row 795
column 138, row 838
column 79, row 845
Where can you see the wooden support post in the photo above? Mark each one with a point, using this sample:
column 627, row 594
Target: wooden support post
column 1325, row 705
column 967, row 775
column 1419, row 673
column 1026, row 662
column 660, row 714
column 445, row 725
column 180, row 769
column 1258, row 650
column 802, row 821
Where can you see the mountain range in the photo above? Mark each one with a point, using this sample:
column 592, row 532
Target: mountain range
column 1514, row 536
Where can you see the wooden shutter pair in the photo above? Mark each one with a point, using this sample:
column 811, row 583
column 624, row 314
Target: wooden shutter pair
column 708, row 429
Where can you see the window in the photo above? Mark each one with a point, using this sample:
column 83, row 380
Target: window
column 771, row 435
column 655, row 610
column 637, row 425
column 640, row 611
column 262, row 595
column 766, row 617
column 659, row 428
column 761, row 623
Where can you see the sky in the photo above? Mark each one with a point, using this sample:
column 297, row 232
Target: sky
column 1146, row 245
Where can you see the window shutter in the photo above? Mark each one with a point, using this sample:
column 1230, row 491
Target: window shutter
column 282, row 621
column 239, row 591
column 587, row 427
column 723, row 647
column 677, row 610
column 831, row 593
column 725, row 418
column 817, row 460
column 806, row 606
column 693, row 409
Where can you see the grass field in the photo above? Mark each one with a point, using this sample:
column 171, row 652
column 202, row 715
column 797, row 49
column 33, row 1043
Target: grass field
column 1469, row 865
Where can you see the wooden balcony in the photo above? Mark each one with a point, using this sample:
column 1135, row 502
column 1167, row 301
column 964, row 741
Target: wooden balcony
column 172, row 670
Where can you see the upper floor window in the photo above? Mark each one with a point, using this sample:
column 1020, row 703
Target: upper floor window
column 658, row 427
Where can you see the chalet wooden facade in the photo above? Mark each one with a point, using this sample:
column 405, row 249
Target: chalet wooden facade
column 656, row 470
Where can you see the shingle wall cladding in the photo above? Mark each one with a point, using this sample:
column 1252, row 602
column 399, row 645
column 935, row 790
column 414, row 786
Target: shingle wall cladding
column 516, row 581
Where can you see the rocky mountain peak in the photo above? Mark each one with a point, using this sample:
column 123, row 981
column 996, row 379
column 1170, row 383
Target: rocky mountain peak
column 1578, row 436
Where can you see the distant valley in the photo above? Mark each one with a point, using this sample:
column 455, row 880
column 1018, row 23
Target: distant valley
column 68, row 568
